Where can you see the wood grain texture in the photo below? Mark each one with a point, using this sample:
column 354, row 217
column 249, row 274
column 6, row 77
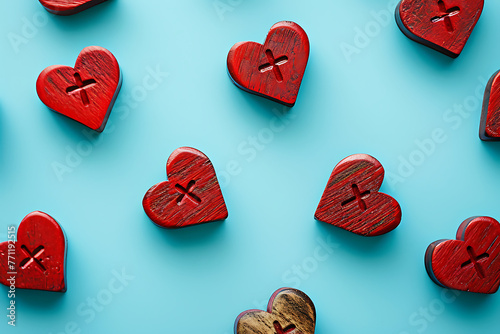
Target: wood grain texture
column 68, row 7
column 472, row 261
column 40, row 255
column 289, row 311
column 273, row 70
column 191, row 195
column 351, row 199
column 489, row 128
column 443, row 25
column 85, row 93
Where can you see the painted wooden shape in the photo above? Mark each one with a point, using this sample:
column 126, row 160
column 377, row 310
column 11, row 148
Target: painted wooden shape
column 489, row 129
column 39, row 255
column 273, row 70
column 191, row 195
column 351, row 199
column 443, row 25
column 289, row 311
column 68, row 7
column 472, row 261
column 85, row 93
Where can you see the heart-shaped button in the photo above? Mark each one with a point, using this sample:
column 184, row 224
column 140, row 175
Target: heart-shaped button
column 489, row 128
column 68, row 7
column 273, row 70
column 37, row 260
column 444, row 25
column 470, row 263
column 191, row 195
column 351, row 199
column 85, row 93
column 290, row 311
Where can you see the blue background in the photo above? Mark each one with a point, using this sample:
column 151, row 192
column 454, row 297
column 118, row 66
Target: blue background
column 389, row 97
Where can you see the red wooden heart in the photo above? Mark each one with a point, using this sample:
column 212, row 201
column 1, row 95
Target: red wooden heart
column 444, row 25
column 290, row 311
column 190, row 196
column 470, row 263
column 489, row 128
column 351, row 199
column 68, row 7
column 39, row 255
column 85, row 93
column 273, row 70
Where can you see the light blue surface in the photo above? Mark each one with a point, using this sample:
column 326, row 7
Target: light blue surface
column 381, row 100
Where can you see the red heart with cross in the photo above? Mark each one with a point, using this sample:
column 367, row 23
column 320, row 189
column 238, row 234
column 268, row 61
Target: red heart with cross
column 191, row 195
column 85, row 93
column 68, row 7
column 444, row 25
column 273, row 70
column 37, row 260
column 290, row 311
column 470, row 263
column 351, row 199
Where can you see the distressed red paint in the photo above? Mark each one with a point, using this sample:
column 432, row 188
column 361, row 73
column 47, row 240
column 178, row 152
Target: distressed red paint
column 472, row 261
column 273, row 70
column 444, row 25
column 191, row 195
column 489, row 129
column 351, row 199
column 40, row 255
column 68, row 7
column 85, row 93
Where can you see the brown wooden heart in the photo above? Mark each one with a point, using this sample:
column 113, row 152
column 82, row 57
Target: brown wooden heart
column 290, row 311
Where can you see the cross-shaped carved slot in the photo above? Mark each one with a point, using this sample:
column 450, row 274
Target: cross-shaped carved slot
column 358, row 197
column 287, row 330
column 475, row 261
column 32, row 257
column 445, row 15
column 273, row 65
column 80, row 87
column 187, row 193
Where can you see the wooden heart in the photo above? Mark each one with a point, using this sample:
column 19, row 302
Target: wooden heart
column 470, row 263
column 85, row 93
column 68, row 7
column 273, row 70
column 191, row 195
column 289, row 311
column 37, row 260
column 444, row 25
column 351, row 199
column 489, row 129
